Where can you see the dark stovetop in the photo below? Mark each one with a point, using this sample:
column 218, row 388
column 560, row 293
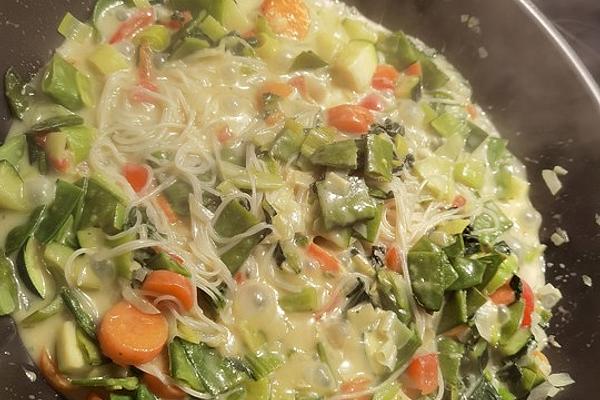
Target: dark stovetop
column 579, row 22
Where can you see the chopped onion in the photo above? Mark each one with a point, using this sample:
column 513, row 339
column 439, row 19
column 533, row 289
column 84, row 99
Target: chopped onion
column 487, row 321
column 559, row 237
column 587, row 280
column 543, row 391
column 558, row 170
column 552, row 181
column 560, row 380
column 548, row 296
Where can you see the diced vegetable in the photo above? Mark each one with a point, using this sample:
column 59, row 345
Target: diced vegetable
column 79, row 140
column 379, row 155
column 71, row 298
column 448, row 124
column 130, row 337
column 369, row 230
column 8, row 286
column 67, row 197
column 431, row 274
column 470, row 273
column 339, row 155
column 344, row 200
column 433, row 77
column 454, row 312
column 385, row 77
column 32, row 268
column 290, row 18
column 69, row 357
column 103, row 206
column 164, row 261
column 12, row 149
column 53, row 308
column 490, row 224
column 60, row 82
column 234, row 220
column 307, row 60
column 359, row 30
column 17, row 92
column 262, row 364
column 496, row 150
column 289, row 141
column 12, row 189
column 173, row 284
column 181, row 367
column 423, row 373
column 355, row 65
column 305, row 300
column 438, row 172
column 178, row 196
column 315, row 139
column 56, row 256
column 157, row 37
column 393, row 294
column 91, row 352
column 398, row 50
column 71, row 28
column 162, row 390
column 55, row 122
column 108, row 59
column 451, row 354
column 470, row 172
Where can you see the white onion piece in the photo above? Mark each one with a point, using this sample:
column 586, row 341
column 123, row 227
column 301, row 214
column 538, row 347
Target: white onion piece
column 560, row 379
column 552, row 181
column 137, row 301
column 487, row 321
column 548, row 296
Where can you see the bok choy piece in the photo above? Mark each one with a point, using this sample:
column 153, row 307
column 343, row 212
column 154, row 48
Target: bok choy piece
column 67, row 197
column 65, row 84
column 8, row 286
column 17, row 92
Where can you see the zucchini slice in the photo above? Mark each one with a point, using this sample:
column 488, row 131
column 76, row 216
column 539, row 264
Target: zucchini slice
column 12, row 189
column 33, row 269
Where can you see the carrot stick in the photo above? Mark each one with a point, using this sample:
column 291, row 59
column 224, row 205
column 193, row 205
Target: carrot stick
column 327, row 262
column 173, row 284
column 130, row 337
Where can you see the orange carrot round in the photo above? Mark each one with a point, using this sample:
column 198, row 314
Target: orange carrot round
column 172, row 284
column 350, row 118
column 130, row 337
column 137, row 176
column 290, row 18
column 504, row 295
column 385, row 77
column 327, row 262
column 372, row 102
column 393, row 260
column 163, row 391
column 423, row 373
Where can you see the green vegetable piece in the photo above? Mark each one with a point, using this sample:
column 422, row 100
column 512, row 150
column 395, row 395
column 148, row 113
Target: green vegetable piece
column 303, row 301
column 358, row 30
column 42, row 314
column 475, row 299
column 124, row 263
column 355, row 65
column 433, row 77
column 258, row 390
column 475, row 138
column 288, row 143
column 12, row 188
column 56, row 256
column 516, row 342
column 484, row 390
column 79, row 207
column 188, row 46
column 315, row 139
column 91, row 352
column 490, row 224
column 379, row 155
column 67, row 197
column 92, row 238
column 234, row 220
column 12, row 149
column 509, row 328
column 339, row 155
column 178, row 196
column 470, row 273
column 470, row 173
column 496, row 150
column 103, row 207
column 71, row 298
column 448, row 124
column 143, row 393
column 431, row 274
column 8, row 286
column 398, row 50
column 290, row 256
column 438, row 172
column 262, row 364
column 60, row 83
column 181, row 368
column 341, row 237
column 79, row 140
column 456, row 249
column 108, row 60
column 165, row 261
column 128, row 383
column 157, row 37
column 369, row 230
column 17, row 237
column 66, row 235
column 450, row 355
column 499, row 269
column 32, row 268
column 393, row 294
column 71, row 28
column 344, row 200
column 390, row 391
column 217, row 374
column 530, row 378
column 409, row 347
column 307, row 60
column 454, row 312
column 212, row 28
column 18, row 93
column 117, row 396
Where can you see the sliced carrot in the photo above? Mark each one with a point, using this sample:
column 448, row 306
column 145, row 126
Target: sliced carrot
column 327, row 262
column 356, row 385
column 504, row 295
column 146, row 68
column 385, row 77
column 280, row 89
column 136, row 22
column 423, row 373
column 529, row 300
column 393, row 260
column 137, row 175
column 299, row 83
column 173, row 284
column 162, row 390
column 131, row 337
column 350, row 118
column 290, row 18
column 165, row 206
column 414, row 69
column 50, row 372
column 372, row 102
